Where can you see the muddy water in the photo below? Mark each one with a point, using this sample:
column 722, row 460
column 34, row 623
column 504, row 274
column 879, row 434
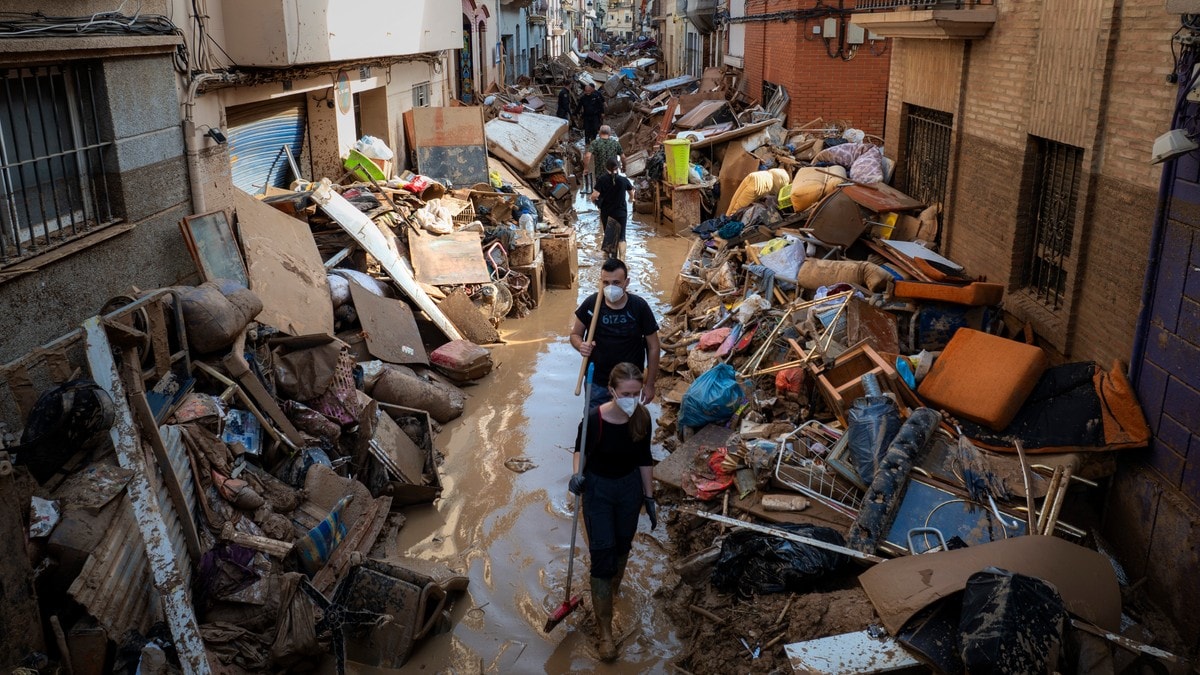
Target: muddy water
column 510, row 532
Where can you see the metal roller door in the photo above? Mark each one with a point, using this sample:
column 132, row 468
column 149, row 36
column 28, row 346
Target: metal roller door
column 257, row 134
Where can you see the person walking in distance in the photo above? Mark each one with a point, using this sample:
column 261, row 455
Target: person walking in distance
column 610, row 196
column 616, row 485
column 599, row 151
column 626, row 332
column 591, row 110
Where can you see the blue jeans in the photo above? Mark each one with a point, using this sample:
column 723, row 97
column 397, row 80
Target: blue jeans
column 611, row 507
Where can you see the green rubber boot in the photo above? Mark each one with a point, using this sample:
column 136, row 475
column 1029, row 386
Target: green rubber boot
column 602, row 605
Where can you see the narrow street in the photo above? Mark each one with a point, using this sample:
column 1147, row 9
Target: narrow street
column 510, row 532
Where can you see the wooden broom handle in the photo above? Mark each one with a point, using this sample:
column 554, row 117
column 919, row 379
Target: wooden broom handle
column 590, row 337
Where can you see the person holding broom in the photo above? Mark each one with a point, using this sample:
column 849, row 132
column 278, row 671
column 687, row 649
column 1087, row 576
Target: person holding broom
column 625, row 331
column 612, row 471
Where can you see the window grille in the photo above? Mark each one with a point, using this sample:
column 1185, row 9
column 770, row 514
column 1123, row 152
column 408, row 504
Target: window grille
column 926, row 163
column 52, row 149
column 421, row 94
column 1053, row 196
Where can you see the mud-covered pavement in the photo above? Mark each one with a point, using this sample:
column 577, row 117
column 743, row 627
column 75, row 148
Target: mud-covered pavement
column 509, row 531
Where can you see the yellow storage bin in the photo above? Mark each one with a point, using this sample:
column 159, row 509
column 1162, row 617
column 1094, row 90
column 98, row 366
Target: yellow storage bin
column 676, row 152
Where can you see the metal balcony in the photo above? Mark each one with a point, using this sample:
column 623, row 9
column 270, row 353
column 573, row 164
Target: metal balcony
column 927, row 19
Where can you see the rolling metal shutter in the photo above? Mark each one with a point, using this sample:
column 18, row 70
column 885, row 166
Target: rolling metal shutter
column 257, row 134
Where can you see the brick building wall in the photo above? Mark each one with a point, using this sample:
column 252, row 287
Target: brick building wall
column 777, row 51
column 1101, row 88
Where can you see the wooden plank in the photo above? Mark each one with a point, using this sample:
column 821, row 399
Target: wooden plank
column 285, row 268
column 449, row 259
column 881, row 198
column 849, row 653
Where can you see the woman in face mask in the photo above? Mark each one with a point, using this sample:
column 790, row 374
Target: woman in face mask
column 616, row 484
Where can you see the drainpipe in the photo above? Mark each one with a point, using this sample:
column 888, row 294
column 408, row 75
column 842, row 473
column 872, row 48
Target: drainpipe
column 191, row 147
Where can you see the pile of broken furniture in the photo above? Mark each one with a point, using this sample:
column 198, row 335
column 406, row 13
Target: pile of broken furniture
column 836, row 393
column 209, row 477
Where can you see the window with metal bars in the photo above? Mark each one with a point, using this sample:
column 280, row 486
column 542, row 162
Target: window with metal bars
column 1053, row 195
column 52, row 149
column 421, row 94
column 925, row 165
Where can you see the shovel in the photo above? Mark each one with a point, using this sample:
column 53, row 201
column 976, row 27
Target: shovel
column 569, row 604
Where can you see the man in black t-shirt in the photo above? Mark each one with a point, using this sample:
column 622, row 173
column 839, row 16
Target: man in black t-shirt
column 609, row 196
column 626, row 331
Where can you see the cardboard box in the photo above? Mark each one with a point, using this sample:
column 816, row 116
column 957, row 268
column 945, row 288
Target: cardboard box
column 562, row 260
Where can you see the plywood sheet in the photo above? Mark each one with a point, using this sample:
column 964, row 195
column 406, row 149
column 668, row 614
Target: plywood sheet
column 450, row 144
column 449, row 259
column 524, row 143
column 285, row 268
column 448, row 126
column 736, row 165
column 389, row 328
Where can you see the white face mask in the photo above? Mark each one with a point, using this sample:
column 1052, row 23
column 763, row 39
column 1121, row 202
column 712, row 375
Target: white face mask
column 613, row 293
column 627, row 404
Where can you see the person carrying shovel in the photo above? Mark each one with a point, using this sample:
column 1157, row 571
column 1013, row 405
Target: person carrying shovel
column 612, row 471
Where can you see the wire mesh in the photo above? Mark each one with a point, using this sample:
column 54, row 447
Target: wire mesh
column 803, row 464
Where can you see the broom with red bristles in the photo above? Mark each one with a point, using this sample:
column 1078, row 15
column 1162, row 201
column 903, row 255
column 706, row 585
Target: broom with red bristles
column 570, row 603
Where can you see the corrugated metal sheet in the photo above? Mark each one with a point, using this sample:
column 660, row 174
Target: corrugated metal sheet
column 257, row 133
column 162, row 545
column 115, row 585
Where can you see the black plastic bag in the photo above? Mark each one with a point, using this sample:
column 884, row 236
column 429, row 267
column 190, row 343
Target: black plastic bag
column 753, row 563
column 1011, row 624
column 871, row 424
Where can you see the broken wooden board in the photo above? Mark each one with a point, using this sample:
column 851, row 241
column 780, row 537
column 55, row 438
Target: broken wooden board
column 562, row 260
column 451, row 259
column 736, row 165
column 285, row 268
column 389, row 328
column 1085, row 579
column 856, row 652
column 881, row 198
column 450, row 144
column 368, row 235
column 526, row 141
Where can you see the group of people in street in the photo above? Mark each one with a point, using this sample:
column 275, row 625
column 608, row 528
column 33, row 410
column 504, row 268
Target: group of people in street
column 611, row 465
column 607, row 187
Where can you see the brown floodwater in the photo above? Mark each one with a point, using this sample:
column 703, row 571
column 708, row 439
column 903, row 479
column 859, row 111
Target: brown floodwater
column 510, row 532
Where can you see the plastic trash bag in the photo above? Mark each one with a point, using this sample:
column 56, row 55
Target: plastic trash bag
column 871, row 424
column 753, row 563
column 373, row 148
column 1010, row 624
column 712, row 397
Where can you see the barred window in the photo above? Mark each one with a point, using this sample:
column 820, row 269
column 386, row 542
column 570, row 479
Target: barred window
column 52, row 183
column 1054, row 194
column 421, row 94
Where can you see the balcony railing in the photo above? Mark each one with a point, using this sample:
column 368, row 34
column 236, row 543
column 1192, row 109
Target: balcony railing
column 927, row 19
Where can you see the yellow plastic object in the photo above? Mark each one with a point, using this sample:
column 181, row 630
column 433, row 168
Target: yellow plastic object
column 785, row 197
column 676, row 152
column 887, row 223
column 363, row 166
